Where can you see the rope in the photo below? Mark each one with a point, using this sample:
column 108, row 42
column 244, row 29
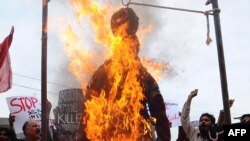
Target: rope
column 206, row 13
column 209, row 39
column 125, row 4
column 164, row 7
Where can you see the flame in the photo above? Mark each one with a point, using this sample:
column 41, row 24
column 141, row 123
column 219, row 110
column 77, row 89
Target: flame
column 156, row 68
column 78, row 56
column 112, row 116
column 142, row 32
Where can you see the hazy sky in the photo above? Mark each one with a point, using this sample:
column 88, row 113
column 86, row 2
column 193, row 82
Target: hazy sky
column 177, row 38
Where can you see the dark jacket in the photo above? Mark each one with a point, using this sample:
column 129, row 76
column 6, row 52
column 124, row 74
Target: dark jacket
column 101, row 82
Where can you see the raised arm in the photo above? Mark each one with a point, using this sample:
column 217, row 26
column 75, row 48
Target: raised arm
column 12, row 129
column 185, row 119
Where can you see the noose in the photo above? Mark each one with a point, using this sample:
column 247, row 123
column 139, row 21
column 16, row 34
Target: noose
column 209, row 40
column 206, row 13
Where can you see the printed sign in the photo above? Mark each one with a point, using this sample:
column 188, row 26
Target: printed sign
column 69, row 110
column 24, row 108
column 173, row 113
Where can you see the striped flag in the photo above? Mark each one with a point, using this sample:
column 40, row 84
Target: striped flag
column 5, row 65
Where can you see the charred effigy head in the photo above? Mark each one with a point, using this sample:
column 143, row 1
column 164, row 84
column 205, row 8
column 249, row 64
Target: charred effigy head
column 124, row 22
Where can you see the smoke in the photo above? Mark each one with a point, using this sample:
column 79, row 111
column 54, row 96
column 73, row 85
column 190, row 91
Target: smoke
column 170, row 41
column 154, row 45
column 171, row 37
column 175, row 35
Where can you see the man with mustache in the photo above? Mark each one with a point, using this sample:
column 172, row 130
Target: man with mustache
column 32, row 131
column 208, row 131
column 31, row 128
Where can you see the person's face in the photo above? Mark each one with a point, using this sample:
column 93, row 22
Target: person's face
column 33, row 130
column 3, row 136
column 205, row 123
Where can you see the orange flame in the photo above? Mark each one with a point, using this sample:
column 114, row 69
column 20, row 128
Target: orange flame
column 78, row 56
column 108, row 117
column 156, row 68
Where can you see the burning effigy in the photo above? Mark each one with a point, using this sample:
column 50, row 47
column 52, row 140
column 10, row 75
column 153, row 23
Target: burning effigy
column 122, row 98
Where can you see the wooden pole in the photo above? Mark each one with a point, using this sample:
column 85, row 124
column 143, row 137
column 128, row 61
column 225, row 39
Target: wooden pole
column 222, row 67
column 44, row 70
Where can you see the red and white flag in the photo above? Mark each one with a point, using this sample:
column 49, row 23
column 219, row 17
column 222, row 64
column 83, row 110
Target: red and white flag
column 5, row 65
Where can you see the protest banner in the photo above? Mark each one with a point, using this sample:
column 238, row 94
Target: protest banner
column 24, row 108
column 69, row 110
column 173, row 113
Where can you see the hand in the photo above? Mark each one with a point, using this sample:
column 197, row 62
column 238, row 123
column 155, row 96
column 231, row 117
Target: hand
column 231, row 102
column 193, row 94
column 56, row 111
column 11, row 119
column 12, row 30
column 48, row 105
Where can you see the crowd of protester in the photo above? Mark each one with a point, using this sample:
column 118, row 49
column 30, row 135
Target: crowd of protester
column 32, row 132
column 208, row 129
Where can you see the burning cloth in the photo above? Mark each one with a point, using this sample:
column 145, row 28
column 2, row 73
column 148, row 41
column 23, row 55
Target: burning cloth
column 115, row 104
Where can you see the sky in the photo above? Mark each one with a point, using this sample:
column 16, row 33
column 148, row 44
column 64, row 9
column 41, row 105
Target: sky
column 177, row 38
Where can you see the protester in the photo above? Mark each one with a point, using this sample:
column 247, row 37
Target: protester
column 207, row 128
column 221, row 118
column 31, row 130
column 5, row 134
column 181, row 135
column 11, row 124
column 124, row 24
column 245, row 119
column 220, row 122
